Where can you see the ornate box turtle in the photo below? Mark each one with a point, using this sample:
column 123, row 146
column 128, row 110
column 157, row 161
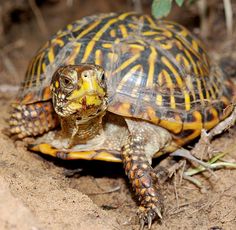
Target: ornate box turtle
column 123, row 87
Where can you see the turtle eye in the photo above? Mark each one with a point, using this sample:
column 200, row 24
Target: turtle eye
column 66, row 83
column 103, row 77
column 102, row 81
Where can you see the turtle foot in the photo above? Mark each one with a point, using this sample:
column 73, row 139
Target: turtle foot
column 147, row 213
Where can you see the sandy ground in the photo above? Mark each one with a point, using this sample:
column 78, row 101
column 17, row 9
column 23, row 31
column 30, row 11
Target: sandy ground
column 37, row 193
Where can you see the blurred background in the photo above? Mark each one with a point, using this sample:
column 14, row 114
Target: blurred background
column 26, row 24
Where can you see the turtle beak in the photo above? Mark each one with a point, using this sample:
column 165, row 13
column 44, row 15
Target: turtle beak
column 89, row 93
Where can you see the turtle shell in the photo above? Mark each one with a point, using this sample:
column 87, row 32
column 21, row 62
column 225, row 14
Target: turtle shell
column 155, row 70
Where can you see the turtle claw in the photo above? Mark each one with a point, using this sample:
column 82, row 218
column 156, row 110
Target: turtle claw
column 149, row 218
column 142, row 223
column 147, row 215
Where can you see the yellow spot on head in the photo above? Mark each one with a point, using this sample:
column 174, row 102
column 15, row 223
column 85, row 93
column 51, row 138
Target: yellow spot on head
column 56, row 84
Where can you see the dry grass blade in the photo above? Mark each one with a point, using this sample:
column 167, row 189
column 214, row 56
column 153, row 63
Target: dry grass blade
column 39, row 17
column 212, row 164
column 228, row 16
column 115, row 189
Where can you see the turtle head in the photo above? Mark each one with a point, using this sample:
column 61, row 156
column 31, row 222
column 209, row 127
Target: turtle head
column 79, row 90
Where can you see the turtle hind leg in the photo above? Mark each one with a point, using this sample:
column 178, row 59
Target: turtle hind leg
column 32, row 119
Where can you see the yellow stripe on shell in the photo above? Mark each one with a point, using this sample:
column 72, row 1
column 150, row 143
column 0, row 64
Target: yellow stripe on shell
column 195, row 45
column 213, row 122
column 167, row 33
column 43, row 67
column 113, row 33
column 200, row 70
column 69, row 27
column 149, row 33
column 182, row 141
column 51, row 56
column 87, row 30
column 199, row 87
column 215, row 86
column 182, row 60
column 150, row 20
column 97, row 36
column 174, row 126
column 194, row 125
column 74, row 54
column 159, row 38
column 125, row 15
column 205, row 58
column 213, row 95
column 151, row 70
column 189, row 87
column 107, row 45
column 137, row 69
column 193, row 64
column 203, row 79
column 187, row 101
column 166, row 46
column 88, row 51
column 123, row 30
column 34, row 68
column 130, row 75
column 152, row 115
column 172, row 102
column 136, row 46
column 133, row 26
column 29, row 70
column 159, row 100
column 173, row 70
column 59, row 42
column 98, row 57
column 127, row 63
column 165, row 75
column 39, row 68
column 184, row 32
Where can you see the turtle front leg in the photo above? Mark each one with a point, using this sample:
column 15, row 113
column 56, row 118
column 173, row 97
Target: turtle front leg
column 143, row 179
column 144, row 141
column 32, row 119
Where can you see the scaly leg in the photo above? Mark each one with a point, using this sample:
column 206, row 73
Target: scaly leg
column 144, row 142
column 32, row 119
column 143, row 179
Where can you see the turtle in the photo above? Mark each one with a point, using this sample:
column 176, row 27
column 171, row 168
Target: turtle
column 121, row 87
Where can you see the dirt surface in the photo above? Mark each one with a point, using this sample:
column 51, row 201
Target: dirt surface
column 37, row 192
